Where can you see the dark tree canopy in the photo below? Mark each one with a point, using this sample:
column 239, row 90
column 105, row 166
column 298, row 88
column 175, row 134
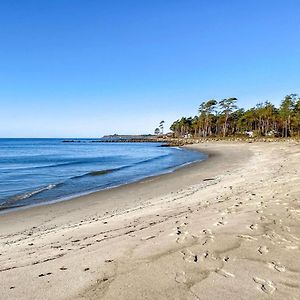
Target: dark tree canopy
column 224, row 118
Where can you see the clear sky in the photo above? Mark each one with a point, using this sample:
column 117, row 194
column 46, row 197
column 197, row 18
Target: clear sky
column 84, row 68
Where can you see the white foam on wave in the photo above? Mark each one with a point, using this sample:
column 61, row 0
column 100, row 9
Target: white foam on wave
column 32, row 193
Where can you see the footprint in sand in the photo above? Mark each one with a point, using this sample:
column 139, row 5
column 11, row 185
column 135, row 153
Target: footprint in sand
column 226, row 258
column 209, row 237
column 180, row 277
column 247, row 237
column 225, row 273
column 230, row 210
column 207, row 231
column 189, row 256
column 277, row 266
column 253, row 226
column 292, row 247
column 263, row 250
column 286, row 229
column 221, row 222
column 238, row 204
column 262, row 218
column 265, row 285
column 182, row 233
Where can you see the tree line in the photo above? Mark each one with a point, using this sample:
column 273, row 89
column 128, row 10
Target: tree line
column 225, row 118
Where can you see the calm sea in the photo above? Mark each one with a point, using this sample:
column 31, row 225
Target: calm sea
column 37, row 171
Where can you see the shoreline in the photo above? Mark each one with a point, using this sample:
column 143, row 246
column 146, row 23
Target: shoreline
column 93, row 197
column 91, row 193
column 205, row 231
column 115, row 199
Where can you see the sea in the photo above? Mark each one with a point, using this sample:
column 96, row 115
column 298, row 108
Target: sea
column 41, row 171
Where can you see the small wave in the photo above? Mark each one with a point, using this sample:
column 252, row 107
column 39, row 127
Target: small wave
column 96, row 173
column 64, row 163
column 19, row 198
column 151, row 159
column 30, row 194
column 102, row 172
column 107, row 171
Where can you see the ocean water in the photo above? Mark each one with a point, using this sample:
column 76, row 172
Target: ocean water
column 39, row 171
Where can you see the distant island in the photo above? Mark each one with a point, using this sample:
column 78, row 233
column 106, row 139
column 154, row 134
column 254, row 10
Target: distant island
column 127, row 136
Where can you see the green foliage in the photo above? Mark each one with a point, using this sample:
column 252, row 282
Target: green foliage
column 157, row 131
column 224, row 118
column 161, row 126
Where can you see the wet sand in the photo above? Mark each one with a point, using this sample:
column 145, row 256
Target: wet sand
column 225, row 228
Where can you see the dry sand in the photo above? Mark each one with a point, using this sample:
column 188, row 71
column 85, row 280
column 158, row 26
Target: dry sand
column 226, row 228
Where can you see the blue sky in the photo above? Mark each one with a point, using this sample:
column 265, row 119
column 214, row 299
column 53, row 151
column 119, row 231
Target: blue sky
column 87, row 68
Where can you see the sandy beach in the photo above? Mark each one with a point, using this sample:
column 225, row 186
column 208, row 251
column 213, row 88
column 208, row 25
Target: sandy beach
column 224, row 228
